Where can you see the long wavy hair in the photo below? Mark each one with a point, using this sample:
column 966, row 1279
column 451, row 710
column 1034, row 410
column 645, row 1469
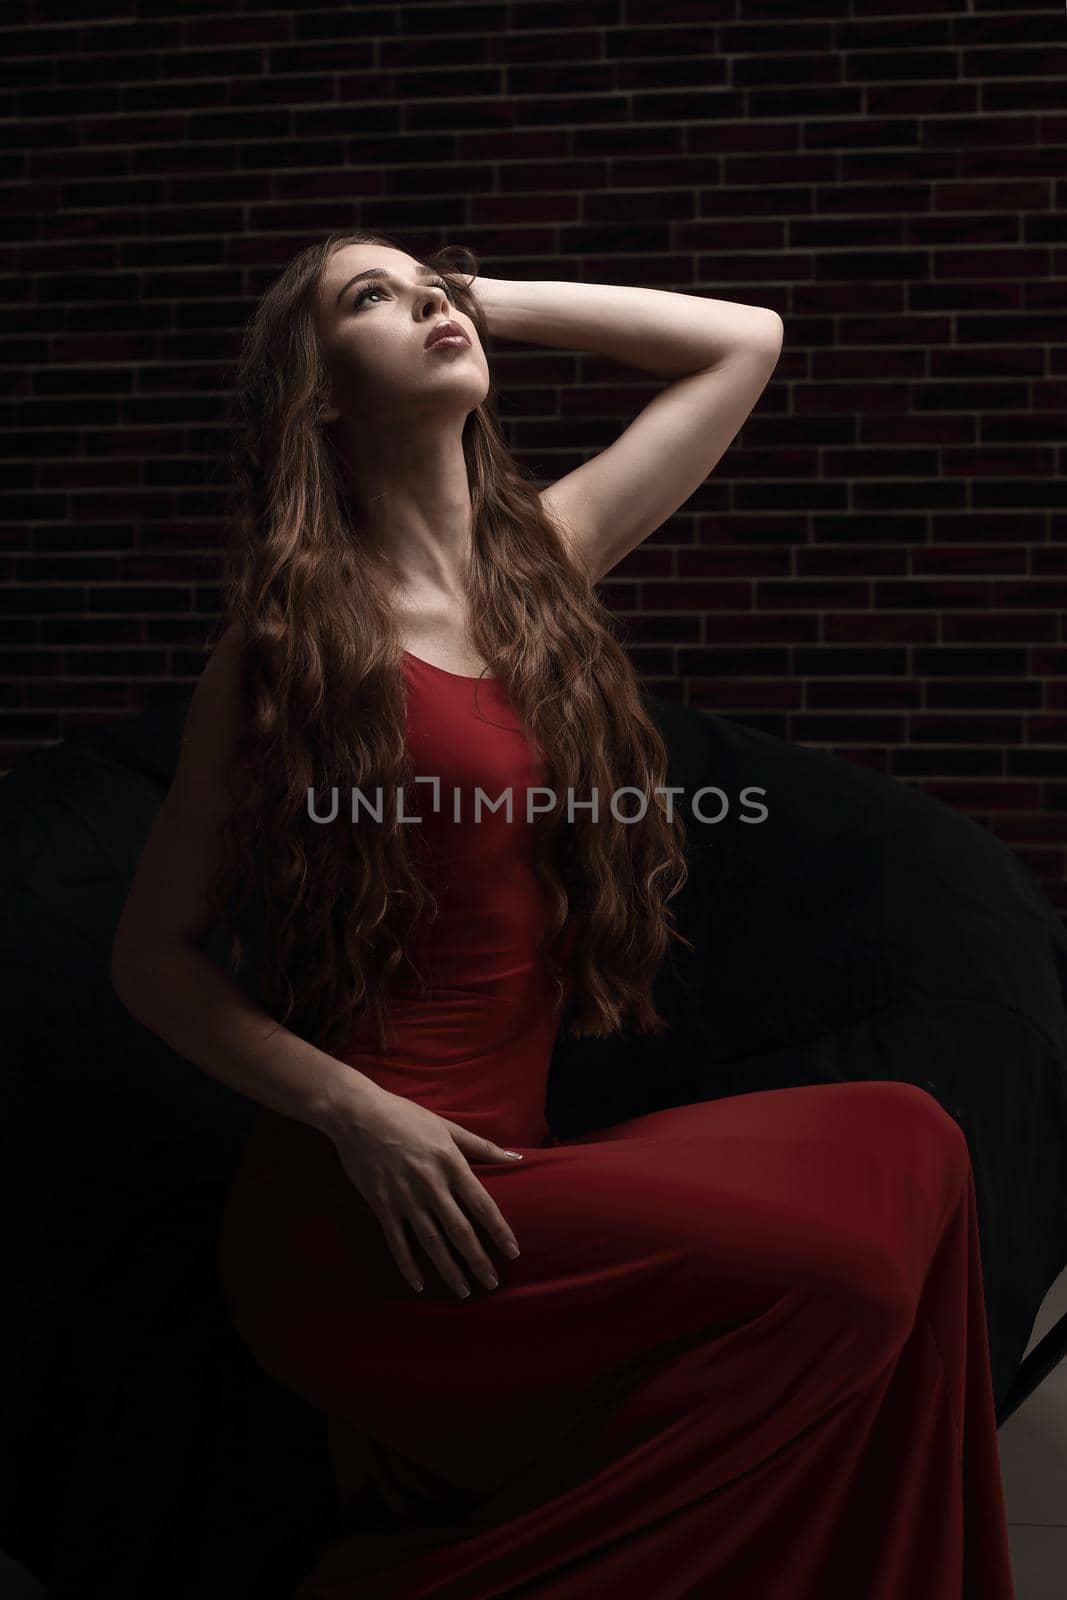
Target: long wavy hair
column 324, row 704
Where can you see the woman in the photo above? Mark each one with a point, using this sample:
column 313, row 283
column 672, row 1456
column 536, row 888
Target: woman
column 727, row 1349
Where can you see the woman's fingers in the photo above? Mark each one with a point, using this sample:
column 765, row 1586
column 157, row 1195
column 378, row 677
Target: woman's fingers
column 398, row 1244
column 466, row 1241
column 485, row 1211
column 425, row 1230
column 434, row 1211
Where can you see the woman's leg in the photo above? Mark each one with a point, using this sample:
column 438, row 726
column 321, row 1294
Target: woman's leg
column 743, row 1352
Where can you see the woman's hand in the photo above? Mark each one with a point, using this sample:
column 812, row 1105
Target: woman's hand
column 411, row 1166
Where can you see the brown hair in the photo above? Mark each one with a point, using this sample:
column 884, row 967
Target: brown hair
column 324, row 700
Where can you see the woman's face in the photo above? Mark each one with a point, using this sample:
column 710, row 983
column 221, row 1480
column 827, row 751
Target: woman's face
column 373, row 335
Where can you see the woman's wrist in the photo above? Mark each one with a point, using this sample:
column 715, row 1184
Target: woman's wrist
column 484, row 291
column 346, row 1097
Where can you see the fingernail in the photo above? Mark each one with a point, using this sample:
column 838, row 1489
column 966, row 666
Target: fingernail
column 417, row 1285
column 516, row 1155
column 511, row 1251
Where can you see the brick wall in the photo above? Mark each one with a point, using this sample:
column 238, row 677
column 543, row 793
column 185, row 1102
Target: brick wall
column 879, row 563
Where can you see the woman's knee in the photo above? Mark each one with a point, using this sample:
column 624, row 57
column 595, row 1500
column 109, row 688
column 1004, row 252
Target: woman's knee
column 933, row 1122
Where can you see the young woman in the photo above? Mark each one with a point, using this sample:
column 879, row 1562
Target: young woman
column 728, row 1349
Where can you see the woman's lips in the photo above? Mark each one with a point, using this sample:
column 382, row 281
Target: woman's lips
column 446, row 333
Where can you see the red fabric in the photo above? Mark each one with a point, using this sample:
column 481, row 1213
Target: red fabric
column 743, row 1351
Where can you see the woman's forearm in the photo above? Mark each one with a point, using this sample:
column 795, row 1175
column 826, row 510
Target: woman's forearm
column 668, row 334
column 180, row 994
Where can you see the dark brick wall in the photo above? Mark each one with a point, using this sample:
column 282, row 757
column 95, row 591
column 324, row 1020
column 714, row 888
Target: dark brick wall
column 879, row 563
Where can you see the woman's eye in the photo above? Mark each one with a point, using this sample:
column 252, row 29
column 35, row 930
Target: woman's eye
column 370, row 288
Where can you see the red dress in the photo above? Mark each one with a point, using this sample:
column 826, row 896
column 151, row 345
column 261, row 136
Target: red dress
column 743, row 1351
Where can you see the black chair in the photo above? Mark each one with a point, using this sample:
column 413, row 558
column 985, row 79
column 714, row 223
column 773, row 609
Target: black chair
column 861, row 930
